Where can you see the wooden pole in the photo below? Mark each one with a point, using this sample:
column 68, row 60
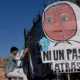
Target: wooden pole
column 69, row 77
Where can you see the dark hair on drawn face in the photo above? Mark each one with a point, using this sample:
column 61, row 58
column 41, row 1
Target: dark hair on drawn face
column 13, row 49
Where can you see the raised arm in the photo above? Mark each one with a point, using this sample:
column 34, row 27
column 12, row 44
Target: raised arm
column 24, row 53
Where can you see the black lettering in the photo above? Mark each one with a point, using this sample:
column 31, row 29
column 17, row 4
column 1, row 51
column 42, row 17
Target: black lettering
column 74, row 56
column 79, row 53
column 61, row 54
column 49, row 55
column 67, row 66
column 55, row 54
column 46, row 55
column 73, row 66
column 78, row 65
column 69, row 51
column 62, row 66
column 57, row 68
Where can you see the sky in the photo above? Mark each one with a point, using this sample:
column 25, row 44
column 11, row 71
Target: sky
column 15, row 15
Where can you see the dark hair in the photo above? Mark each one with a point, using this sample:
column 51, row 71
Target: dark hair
column 13, row 49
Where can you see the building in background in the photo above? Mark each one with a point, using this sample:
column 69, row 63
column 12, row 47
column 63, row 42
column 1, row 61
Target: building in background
column 2, row 69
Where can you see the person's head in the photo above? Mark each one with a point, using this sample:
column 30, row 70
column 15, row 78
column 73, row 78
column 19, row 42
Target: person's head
column 14, row 50
column 60, row 20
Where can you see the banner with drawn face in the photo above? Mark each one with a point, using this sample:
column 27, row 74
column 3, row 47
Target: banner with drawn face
column 59, row 22
column 61, row 43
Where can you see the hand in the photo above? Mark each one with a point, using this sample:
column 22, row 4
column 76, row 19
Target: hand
column 26, row 50
column 6, row 73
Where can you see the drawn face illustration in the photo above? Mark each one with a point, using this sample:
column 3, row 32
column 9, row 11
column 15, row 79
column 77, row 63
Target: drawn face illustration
column 59, row 22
